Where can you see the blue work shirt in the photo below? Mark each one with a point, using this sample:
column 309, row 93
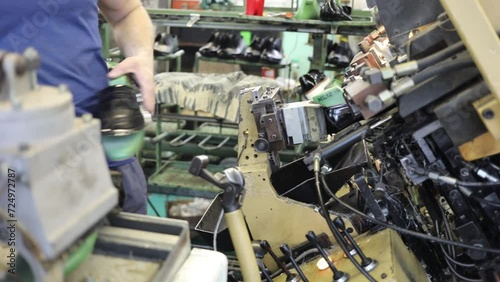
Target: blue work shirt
column 66, row 35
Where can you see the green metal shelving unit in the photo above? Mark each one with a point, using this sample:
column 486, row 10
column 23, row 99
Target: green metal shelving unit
column 361, row 25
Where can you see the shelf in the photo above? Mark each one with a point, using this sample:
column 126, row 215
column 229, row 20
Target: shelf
column 173, row 56
column 241, row 62
column 239, row 21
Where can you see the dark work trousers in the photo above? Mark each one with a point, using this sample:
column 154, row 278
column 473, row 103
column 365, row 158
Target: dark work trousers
column 133, row 187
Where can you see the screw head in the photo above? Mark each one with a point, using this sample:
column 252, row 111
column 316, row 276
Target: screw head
column 488, row 114
column 374, row 103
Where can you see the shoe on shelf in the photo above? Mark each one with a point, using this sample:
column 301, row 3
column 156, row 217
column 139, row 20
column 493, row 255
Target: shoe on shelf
column 340, row 55
column 119, row 111
column 310, row 79
column 165, row 44
column 213, row 45
column 254, row 51
column 234, row 47
column 271, row 50
column 331, row 11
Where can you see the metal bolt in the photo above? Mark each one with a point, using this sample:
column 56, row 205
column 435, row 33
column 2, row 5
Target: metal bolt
column 273, row 136
column 374, row 103
column 87, row 118
column 249, row 101
column 488, row 114
column 270, row 120
column 464, row 172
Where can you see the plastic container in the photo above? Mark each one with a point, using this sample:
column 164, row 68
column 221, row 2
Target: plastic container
column 254, row 7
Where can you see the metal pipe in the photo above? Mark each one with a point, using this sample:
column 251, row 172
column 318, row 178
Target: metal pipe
column 242, row 245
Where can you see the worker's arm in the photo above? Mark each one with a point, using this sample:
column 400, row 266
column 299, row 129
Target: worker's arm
column 134, row 34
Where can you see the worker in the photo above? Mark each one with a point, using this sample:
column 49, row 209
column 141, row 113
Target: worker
column 66, row 35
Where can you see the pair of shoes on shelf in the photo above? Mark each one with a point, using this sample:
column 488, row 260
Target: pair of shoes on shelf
column 165, row 44
column 267, row 50
column 332, row 11
column 224, row 45
column 339, row 54
column 310, row 79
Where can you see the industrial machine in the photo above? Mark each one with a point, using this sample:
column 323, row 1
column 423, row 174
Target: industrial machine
column 408, row 187
column 58, row 213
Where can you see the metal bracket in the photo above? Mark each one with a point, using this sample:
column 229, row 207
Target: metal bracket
column 193, row 19
column 367, row 194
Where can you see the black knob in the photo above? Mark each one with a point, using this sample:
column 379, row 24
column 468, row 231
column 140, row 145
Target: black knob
column 285, row 249
column 338, row 275
column 339, row 222
column 311, row 237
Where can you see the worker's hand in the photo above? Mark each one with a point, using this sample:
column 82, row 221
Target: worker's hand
column 142, row 69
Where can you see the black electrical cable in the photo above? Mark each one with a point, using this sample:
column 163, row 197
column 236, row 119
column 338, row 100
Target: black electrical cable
column 441, row 55
column 479, row 184
column 449, row 234
column 449, row 237
column 442, row 68
column 484, row 201
column 460, row 275
column 454, row 260
column 402, row 230
column 335, row 231
column 424, row 172
column 452, row 269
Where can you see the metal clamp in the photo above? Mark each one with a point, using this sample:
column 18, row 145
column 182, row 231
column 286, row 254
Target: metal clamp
column 175, row 142
column 159, row 138
column 211, row 148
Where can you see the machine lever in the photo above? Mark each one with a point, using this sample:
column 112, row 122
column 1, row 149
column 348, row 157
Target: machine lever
column 290, row 277
column 338, row 276
column 285, row 249
column 367, row 263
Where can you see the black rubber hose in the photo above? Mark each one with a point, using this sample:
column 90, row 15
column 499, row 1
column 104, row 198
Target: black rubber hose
column 441, row 55
column 479, row 184
column 442, row 68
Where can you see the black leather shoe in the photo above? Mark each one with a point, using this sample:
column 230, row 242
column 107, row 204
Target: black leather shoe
column 271, row 51
column 119, row 111
column 310, row 79
column 254, row 51
column 165, row 44
column 213, row 45
column 234, row 46
column 331, row 11
column 340, row 55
